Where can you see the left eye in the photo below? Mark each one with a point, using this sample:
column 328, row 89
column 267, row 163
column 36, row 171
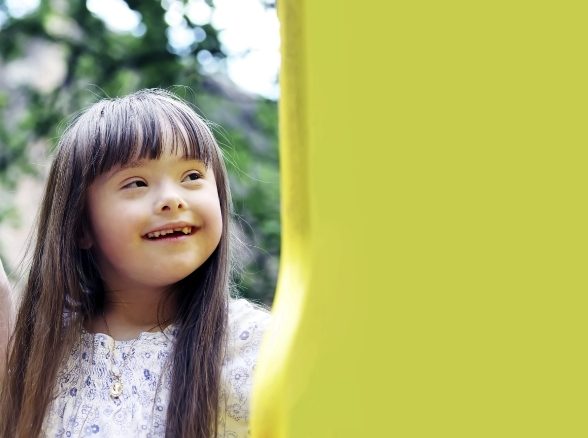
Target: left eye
column 192, row 176
column 135, row 184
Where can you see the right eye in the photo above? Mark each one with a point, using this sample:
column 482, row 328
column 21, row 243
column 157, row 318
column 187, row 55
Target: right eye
column 135, row 184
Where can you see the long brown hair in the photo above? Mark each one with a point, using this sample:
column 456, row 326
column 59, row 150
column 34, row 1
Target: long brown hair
column 64, row 290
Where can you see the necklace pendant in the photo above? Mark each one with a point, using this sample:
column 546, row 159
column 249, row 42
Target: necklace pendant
column 116, row 390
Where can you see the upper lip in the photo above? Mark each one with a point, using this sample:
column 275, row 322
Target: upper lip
column 169, row 226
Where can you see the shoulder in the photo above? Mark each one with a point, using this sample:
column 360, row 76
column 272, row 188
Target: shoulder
column 242, row 311
column 247, row 323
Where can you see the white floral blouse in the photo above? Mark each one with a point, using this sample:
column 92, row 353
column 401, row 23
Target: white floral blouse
column 84, row 406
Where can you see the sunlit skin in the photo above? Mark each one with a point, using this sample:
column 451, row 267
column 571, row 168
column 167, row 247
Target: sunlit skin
column 125, row 205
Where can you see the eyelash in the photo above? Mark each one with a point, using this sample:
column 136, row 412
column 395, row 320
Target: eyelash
column 192, row 173
column 138, row 181
column 135, row 184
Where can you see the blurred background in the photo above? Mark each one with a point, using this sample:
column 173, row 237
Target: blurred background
column 58, row 56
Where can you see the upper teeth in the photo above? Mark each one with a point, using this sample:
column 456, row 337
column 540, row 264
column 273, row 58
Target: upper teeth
column 185, row 230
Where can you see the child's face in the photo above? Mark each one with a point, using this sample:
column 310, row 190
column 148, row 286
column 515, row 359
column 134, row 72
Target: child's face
column 130, row 208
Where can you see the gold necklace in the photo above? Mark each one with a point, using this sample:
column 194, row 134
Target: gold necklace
column 116, row 388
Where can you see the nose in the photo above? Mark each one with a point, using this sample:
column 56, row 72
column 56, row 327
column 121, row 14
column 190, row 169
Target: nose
column 169, row 200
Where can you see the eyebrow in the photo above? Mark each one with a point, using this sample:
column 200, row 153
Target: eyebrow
column 143, row 162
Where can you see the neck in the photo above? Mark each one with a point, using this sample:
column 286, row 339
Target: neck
column 128, row 313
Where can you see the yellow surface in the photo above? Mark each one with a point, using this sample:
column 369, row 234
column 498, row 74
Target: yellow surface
column 433, row 278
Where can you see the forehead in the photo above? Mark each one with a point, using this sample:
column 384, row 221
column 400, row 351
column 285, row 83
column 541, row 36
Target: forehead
column 121, row 135
column 167, row 155
column 165, row 164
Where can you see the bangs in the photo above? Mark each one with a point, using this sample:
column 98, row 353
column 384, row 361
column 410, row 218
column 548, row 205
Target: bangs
column 143, row 126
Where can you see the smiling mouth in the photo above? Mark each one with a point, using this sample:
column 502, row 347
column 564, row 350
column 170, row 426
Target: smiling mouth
column 171, row 233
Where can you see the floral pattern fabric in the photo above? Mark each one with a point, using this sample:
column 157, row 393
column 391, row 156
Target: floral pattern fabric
column 83, row 406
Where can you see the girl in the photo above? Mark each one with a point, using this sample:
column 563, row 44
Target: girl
column 126, row 327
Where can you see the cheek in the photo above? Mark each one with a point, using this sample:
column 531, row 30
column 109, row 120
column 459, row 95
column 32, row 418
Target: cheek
column 212, row 215
column 111, row 229
column 216, row 224
column 113, row 244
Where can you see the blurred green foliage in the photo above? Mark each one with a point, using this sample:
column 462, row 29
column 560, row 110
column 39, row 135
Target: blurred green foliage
column 100, row 62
